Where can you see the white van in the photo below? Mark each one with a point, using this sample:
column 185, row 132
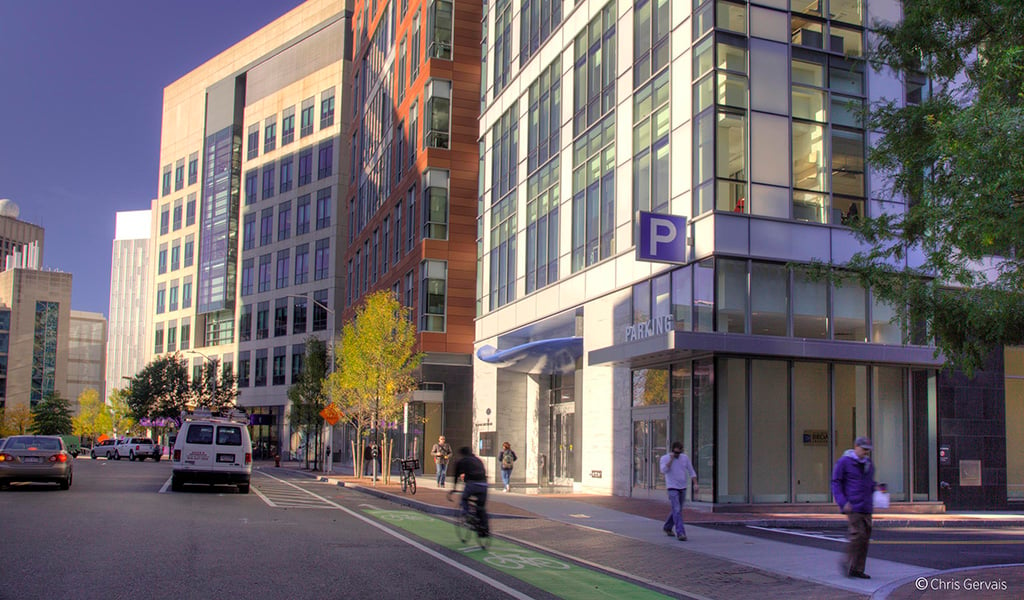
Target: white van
column 212, row 450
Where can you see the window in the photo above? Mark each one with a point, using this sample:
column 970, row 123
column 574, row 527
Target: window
column 186, row 294
column 348, row 284
column 356, row 284
column 538, row 18
column 301, row 264
column 247, row 280
column 186, row 336
column 327, row 109
column 166, row 187
column 594, row 71
column 373, row 262
column 279, row 363
column 411, row 239
column 165, row 219
column 414, row 142
column 410, row 296
column 543, row 185
column 435, row 204
column 503, row 252
column 281, row 317
column 158, row 342
column 305, row 166
column 264, row 274
column 175, row 257
column 189, row 251
column 161, row 260
column 260, row 376
column 434, row 275
column 266, row 226
column 283, row 260
column 179, row 175
column 284, row 220
column 172, row 299
column 414, row 49
column 400, row 82
column 326, row 160
column 322, row 263
column 161, row 301
column 399, row 161
column 651, row 160
column 306, row 118
column 193, row 168
column 320, row 310
column 190, row 210
column 398, row 231
column 262, row 320
column 302, row 215
column 286, row 174
column 502, row 44
column 323, row 208
column 288, row 126
column 245, row 324
column 243, row 369
column 439, row 30
column 651, row 25
column 593, row 204
column 299, row 315
column 268, row 181
column 270, row 134
column 251, row 186
column 298, row 354
column 253, row 142
column 438, row 112
column 385, row 249
column 176, row 223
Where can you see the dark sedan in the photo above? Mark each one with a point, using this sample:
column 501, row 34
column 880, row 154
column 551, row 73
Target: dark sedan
column 36, row 458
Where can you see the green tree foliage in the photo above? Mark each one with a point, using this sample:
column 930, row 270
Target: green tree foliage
column 957, row 160
column 376, row 363
column 307, row 397
column 215, row 388
column 161, row 389
column 52, row 416
column 120, row 414
column 94, row 416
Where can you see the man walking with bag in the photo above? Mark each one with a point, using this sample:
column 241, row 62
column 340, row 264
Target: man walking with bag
column 853, row 483
column 441, row 451
column 678, row 470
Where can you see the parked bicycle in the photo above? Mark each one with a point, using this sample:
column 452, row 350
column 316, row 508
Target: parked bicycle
column 409, row 466
column 472, row 522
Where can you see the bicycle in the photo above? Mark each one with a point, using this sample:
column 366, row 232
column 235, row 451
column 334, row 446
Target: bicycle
column 469, row 523
column 409, row 466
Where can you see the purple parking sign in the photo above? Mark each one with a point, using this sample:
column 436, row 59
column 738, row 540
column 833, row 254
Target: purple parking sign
column 662, row 238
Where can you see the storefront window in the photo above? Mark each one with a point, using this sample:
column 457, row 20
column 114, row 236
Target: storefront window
column 769, row 422
column 812, row 464
column 731, row 471
column 889, row 429
column 650, row 387
column 704, row 429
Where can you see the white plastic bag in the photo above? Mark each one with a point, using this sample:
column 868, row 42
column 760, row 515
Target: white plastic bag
column 880, row 499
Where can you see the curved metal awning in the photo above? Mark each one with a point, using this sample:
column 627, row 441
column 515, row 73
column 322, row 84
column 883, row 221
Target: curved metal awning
column 543, row 356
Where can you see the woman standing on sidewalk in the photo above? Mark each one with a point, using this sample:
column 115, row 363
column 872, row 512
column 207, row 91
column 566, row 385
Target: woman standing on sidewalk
column 506, row 458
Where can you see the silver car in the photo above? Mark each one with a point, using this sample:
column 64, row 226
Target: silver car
column 36, row 458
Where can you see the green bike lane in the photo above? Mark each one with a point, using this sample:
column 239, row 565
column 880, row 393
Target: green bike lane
column 558, row 577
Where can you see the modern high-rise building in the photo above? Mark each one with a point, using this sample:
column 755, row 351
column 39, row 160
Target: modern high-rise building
column 247, row 243
column 19, row 237
column 128, row 342
column 654, row 176
column 87, row 351
column 411, row 197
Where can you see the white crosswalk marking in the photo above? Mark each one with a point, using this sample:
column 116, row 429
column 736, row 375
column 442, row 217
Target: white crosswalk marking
column 282, row 494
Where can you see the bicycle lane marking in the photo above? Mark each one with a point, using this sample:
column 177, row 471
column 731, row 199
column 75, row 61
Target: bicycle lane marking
column 561, row 578
column 376, row 524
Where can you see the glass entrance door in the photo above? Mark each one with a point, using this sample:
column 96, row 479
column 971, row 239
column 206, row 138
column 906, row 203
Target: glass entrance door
column 563, row 443
column 650, row 443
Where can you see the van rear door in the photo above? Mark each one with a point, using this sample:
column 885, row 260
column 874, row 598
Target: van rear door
column 230, row 448
column 198, row 451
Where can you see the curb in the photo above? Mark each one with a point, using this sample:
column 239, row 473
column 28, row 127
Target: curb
column 878, row 524
column 884, row 591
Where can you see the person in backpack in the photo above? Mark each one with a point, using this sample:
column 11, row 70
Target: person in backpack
column 506, row 458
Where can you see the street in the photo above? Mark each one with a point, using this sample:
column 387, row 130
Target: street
column 120, row 533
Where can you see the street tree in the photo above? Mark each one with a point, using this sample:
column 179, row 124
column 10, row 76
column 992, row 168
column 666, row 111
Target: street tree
column 120, row 413
column 954, row 156
column 376, row 365
column 15, row 420
column 52, row 416
column 308, row 398
column 161, row 389
column 93, row 418
column 215, row 389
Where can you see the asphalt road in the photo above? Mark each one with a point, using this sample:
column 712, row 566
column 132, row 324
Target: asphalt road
column 934, row 547
column 121, row 533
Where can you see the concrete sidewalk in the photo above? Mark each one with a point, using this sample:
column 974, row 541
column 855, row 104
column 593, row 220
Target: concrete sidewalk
column 623, row 535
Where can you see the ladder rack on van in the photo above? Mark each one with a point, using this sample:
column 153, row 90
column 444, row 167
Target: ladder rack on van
column 204, row 414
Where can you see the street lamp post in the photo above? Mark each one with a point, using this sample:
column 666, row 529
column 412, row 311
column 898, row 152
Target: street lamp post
column 329, row 460
column 213, row 379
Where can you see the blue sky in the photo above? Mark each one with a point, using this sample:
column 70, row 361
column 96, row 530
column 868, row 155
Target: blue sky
column 81, row 93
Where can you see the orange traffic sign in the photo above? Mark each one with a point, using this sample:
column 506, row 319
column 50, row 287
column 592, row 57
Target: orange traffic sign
column 331, row 414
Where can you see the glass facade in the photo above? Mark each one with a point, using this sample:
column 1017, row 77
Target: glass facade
column 44, row 351
column 219, row 222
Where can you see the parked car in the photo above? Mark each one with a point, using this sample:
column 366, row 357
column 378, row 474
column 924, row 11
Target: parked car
column 137, row 448
column 36, row 458
column 104, row 449
column 212, row 450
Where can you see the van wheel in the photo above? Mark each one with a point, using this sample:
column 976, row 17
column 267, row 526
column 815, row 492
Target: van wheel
column 176, row 483
column 243, row 488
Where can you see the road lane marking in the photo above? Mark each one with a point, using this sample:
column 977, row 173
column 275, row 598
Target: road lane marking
column 453, row 563
column 817, row 536
column 167, row 484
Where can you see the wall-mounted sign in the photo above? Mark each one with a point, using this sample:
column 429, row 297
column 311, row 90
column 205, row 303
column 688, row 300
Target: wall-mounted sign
column 656, row 326
column 945, row 458
column 815, row 437
column 662, row 238
column 595, row 474
column 970, row 473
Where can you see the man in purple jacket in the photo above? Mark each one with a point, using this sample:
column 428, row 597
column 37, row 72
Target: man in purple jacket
column 853, row 483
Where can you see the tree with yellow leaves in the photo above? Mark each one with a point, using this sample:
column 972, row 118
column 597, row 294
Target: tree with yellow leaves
column 94, row 417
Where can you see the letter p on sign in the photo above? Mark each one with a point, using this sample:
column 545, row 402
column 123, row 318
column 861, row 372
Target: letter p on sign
column 662, row 238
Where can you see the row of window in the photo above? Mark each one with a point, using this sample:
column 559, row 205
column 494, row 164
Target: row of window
column 167, row 297
column 284, row 220
column 176, row 255
column 171, row 218
column 253, row 371
column 258, row 281
column 177, row 337
column 179, row 174
column 299, row 321
column 306, row 124
column 279, row 176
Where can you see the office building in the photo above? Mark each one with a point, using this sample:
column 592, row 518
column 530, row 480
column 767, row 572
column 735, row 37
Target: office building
column 128, row 347
column 87, row 351
column 603, row 336
column 246, row 239
column 19, row 239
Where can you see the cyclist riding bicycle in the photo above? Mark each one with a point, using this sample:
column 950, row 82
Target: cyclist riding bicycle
column 471, row 470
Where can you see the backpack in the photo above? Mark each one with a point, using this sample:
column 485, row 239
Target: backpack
column 507, row 459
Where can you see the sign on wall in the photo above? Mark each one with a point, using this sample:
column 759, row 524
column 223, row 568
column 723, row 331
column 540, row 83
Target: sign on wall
column 662, row 238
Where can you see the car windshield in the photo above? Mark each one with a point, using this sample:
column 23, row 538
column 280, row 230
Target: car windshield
column 32, row 443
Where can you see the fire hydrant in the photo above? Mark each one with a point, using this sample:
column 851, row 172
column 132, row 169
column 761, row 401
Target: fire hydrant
column 277, row 460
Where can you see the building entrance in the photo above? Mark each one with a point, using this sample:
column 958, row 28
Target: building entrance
column 650, row 443
column 563, row 443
